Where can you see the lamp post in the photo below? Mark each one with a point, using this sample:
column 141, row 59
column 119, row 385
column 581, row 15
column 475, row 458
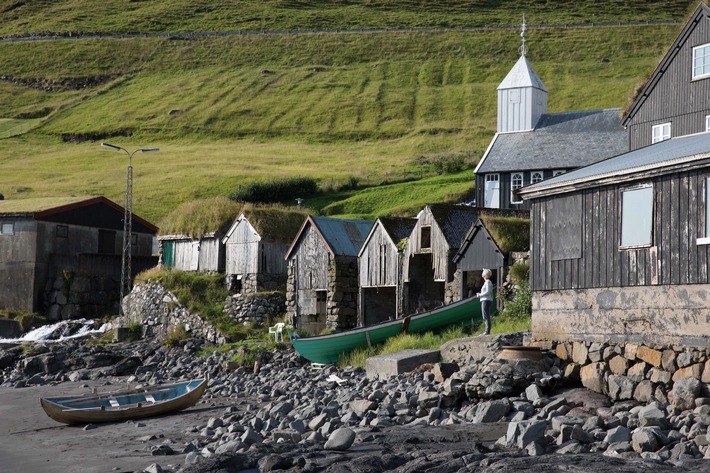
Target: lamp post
column 127, row 222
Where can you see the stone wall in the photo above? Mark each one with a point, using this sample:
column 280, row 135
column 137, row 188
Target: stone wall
column 259, row 308
column 76, row 296
column 342, row 293
column 628, row 371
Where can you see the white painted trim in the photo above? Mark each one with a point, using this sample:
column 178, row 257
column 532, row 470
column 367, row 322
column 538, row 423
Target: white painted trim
column 703, row 241
column 485, row 155
column 692, row 64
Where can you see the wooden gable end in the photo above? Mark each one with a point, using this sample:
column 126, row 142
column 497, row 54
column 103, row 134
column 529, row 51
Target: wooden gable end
column 243, row 249
column 480, row 251
column 427, row 237
column 311, row 258
column 670, row 95
column 379, row 260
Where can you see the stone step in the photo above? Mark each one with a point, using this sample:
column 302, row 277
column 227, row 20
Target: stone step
column 393, row 364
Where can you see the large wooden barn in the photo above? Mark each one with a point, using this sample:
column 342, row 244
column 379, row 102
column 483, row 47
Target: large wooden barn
column 256, row 246
column 73, row 244
column 531, row 145
column 322, row 285
column 380, row 271
column 619, row 249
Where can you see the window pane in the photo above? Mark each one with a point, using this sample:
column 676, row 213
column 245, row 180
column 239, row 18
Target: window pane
column 636, row 216
column 7, row 229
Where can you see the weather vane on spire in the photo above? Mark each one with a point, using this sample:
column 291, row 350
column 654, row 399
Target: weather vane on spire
column 523, row 49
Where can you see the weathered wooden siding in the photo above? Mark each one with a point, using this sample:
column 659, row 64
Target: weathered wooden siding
column 439, row 248
column 481, row 253
column 311, row 259
column 676, row 98
column 211, row 255
column 242, row 253
column 379, row 261
column 674, row 258
column 186, row 255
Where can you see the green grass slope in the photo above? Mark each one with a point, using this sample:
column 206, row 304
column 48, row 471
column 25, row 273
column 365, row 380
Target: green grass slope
column 226, row 110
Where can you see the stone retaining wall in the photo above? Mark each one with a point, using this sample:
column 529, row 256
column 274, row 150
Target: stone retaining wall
column 160, row 312
column 628, row 371
column 74, row 296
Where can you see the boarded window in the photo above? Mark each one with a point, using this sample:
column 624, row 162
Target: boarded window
column 62, row 231
column 636, row 217
column 107, row 242
column 7, row 229
column 426, row 237
column 564, row 227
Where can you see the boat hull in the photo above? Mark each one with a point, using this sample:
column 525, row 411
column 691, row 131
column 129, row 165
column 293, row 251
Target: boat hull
column 124, row 405
column 328, row 348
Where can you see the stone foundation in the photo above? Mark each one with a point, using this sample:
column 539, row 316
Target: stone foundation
column 77, row 296
column 650, row 315
column 258, row 308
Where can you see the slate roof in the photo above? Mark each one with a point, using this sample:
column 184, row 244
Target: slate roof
column 522, row 75
column 559, row 141
column 398, row 228
column 682, row 150
column 454, row 221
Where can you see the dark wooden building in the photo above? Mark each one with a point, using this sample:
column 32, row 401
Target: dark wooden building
column 620, row 249
column 256, row 246
column 430, row 276
column 675, row 100
column 484, row 248
column 380, row 270
column 531, row 145
column 322, row 284
column 62, row 256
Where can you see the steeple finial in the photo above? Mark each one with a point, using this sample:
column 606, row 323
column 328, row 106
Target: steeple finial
column 523, row 49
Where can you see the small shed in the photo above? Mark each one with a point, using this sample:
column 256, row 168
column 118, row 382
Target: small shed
column 620, row 248
column 204, row 253
column 489, row 244
column 380, row 269
column 62, row 255
column 256, row 246
column 322, row 285
column 429, row 273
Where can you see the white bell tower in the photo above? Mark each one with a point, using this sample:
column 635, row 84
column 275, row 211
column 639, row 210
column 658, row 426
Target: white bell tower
column 522, row 97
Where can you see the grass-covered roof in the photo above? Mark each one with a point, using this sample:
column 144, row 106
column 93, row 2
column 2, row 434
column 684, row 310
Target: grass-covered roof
column 509, row 233
column 275, row 221
column 198, row 218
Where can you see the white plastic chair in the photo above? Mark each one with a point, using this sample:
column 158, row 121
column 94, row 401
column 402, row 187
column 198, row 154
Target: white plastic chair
column 277, row 330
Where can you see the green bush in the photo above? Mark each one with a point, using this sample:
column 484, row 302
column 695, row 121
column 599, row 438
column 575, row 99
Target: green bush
column 279, row 190
column 27, row 320
column 521, row 305
column 176, row 335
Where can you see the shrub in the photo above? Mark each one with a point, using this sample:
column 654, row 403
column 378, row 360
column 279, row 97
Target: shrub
column 176, row 335
column 520, row 273
column 26, row 320
column 521, row 305
column 279, row 190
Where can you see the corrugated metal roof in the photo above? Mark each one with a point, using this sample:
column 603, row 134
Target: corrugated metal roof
column 345, row 237
column 559, row 141
column 666, row 153
column 522, row 75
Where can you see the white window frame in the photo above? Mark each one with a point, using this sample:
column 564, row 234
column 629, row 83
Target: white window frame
column 532, row 176
column 705, row 240
column 660, row 132
column 701, row 61
column 707, row 122
column 635, row 209
column 7, row 228
column 515, row 185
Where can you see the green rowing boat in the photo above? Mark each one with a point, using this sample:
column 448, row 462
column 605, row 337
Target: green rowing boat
column 327, row 348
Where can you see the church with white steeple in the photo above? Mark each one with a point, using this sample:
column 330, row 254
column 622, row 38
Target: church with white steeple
column 531, row 145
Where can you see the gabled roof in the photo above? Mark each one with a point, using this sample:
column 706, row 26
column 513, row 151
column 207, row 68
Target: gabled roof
column 454, row 221
column 559, row 141
column 397, row 228
column 522, row 75
column 341, row 237
column 478, row 226
column 671, row 155
column 271, row 223
column 57, row 209
column 702, row 11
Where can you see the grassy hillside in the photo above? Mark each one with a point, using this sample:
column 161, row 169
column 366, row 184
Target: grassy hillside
column 349, row 107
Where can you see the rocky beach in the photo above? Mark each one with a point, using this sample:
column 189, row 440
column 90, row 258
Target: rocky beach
column 473, row 415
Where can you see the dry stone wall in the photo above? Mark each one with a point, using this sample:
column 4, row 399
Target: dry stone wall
column 636, row 372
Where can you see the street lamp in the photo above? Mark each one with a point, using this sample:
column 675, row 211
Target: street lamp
column 127, row 222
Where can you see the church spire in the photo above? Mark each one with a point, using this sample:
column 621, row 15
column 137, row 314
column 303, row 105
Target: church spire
column 523, row 49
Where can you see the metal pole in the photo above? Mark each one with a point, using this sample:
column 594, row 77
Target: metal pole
column 127, row 232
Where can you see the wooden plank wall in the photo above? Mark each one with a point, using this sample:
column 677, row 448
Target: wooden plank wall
column 674, row 258
column 211, row 255
column 242, row 254
column 676, row 98
column 312, row 262
column 379, row 261
column 439, row 247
